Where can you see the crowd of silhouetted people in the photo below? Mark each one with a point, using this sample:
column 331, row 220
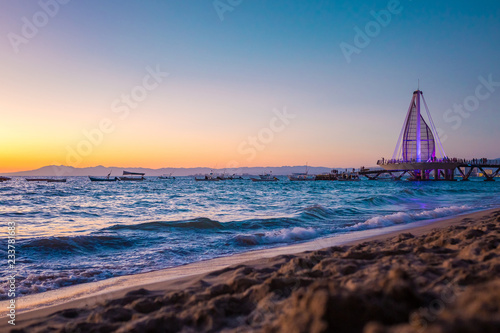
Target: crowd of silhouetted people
column 476, row 161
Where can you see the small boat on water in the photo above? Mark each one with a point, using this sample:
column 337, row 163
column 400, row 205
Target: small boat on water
column 333, row 175
column 169, row 176
column 103, row 179
column 234, row 177
column 208, row 178
column 268, row 177
column 222, row 177
column 135, row 177
column 56, row 180
column 48, row 180
column 349, row 176
column 341, row 176
column 302, row 176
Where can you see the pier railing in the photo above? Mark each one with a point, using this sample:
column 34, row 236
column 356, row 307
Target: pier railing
column 474, row 161
column 444, row 168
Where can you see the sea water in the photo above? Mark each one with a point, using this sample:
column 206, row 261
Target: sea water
column 82, row 231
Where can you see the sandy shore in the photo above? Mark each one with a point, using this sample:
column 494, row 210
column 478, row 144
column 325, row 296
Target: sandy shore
column 432, row 276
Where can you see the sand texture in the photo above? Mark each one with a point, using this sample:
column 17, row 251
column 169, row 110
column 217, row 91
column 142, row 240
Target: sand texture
column 446, row 280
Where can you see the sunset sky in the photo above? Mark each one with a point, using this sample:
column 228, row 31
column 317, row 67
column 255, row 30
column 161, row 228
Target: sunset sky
column 249, row 83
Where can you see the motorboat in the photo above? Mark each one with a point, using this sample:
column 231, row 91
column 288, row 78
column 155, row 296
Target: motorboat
column 208, row 178
column 268, row 177
column 48, row 180
column 302, row 176
column 165, row 176
column 134, row 176
column 234, row 177
column 56, row 180
column 349, row 176
column 103, row 179
column 333, row 175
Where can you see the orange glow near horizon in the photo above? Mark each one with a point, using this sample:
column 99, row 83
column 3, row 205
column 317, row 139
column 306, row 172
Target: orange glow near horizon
column 16, row 162
column 158, row 135
column 166, row 91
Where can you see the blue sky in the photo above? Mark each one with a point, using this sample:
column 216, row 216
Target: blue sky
column 226, row 76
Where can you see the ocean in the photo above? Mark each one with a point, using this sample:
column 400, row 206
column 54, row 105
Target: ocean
column 78, row 232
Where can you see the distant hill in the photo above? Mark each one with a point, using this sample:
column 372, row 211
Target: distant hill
column 60, row 170
column 54, row 170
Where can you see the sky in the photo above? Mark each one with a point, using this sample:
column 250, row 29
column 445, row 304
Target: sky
column 231, row 83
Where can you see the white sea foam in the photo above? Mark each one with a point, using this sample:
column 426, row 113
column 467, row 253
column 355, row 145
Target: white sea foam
column 277, row 236
column 402, row 217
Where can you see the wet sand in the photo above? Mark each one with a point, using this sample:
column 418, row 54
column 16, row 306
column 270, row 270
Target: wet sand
column 431, row 276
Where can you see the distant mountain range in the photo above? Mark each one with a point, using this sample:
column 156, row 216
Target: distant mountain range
column 54, row 170
column 60, row 170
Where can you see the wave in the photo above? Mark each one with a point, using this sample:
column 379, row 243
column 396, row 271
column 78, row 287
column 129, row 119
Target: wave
column 379, row 200
column 303, row 217
column 197, row 223
column 33, row 283
column 316, row 212
column 277, row 236
column 403, row 217
column 76, row 244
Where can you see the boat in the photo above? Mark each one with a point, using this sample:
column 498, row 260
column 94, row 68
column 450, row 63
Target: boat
column 349, row 176
column 234, row 177
column 56, row 180
column 268, row 177
column 135, row 176
column 208, row 178
column 48, row 180
column 3, row 179
column 103, row 179
column 302, row 176
column 333, row 175
column 222, row 177
column 169, row 176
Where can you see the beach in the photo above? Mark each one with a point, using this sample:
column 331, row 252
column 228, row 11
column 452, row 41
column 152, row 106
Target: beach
column 427, row 276
column 250, row 166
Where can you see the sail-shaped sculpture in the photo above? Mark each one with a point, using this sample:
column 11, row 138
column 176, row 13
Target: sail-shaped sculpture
column 417, row 142
column 411, row 150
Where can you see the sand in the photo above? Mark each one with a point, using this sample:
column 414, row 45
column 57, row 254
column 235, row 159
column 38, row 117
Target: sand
column 435, row 276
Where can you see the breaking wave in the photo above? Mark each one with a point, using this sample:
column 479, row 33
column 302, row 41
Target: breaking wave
column 402, row 217
column 277, row 236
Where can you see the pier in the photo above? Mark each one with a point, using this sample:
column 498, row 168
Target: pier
column 438, row 170
column 415, row 153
